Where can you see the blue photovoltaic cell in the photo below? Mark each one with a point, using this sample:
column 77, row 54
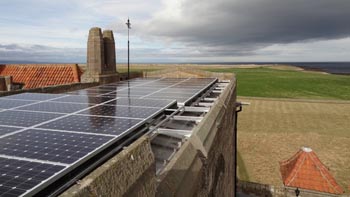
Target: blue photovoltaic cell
column 121, row 111
column 24, row 119
column 178, row 99
column 7, row 103
column 93, row 124
column 90, row 91
column 140, row 102
column 53, row 146
column 6, row 130
column 17, row 176
column 116, row 95
column 34, row 96
column 83, row 99
column 56, row 107
column 167, row 94
column 134, row 93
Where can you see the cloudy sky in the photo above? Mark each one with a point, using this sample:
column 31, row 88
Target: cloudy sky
column 178, row 30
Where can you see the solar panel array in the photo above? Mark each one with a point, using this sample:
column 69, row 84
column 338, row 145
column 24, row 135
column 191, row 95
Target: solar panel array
column 45, row 136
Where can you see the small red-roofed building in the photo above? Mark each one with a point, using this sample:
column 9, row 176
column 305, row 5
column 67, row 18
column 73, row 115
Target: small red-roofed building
column 41, row 75
column 305, row 170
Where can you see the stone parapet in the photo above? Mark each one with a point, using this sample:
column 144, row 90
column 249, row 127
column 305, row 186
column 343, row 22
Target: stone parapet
column 129, row 173
column 259, row 189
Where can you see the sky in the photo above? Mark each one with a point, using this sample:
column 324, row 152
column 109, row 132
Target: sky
column 178, row 30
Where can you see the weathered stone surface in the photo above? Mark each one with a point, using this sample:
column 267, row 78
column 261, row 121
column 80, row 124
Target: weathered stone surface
column 258, row 189
column 95, row 51
column 109, row 50
column 5, row 83
column 129, row 173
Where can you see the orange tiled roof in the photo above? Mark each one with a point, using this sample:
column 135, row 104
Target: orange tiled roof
column 41, row 75
column 305, row 170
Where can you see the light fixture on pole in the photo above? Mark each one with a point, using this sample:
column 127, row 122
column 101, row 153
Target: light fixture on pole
column 129, row 27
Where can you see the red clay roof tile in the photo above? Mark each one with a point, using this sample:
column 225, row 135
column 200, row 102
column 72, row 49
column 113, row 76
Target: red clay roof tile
column 41, row 75
column 305, row 170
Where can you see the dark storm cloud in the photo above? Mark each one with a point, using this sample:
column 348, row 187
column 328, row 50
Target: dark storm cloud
column 252, row 24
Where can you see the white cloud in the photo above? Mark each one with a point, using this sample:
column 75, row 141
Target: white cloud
column 182, row 30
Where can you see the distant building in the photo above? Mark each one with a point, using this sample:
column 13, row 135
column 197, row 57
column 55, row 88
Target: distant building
column 29, row 76
column 305, row 170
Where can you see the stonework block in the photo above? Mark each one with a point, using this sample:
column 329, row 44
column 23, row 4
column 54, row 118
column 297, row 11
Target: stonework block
column 95, row 51
column 109, row 50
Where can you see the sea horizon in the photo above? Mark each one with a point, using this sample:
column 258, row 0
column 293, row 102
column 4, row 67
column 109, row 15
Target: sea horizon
column 332, row 67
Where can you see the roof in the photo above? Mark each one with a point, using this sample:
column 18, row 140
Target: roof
column 305, row 170
column 41, row 75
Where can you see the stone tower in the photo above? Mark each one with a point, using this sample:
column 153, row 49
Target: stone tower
column 109, row 49
column 95, row 52
column 101, row 58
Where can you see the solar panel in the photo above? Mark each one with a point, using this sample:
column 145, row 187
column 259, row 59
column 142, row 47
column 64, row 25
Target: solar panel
column 82, row 99
column 7, row 103
column 178, row 99
column 45, row 136
column 56, row 107
column 90, row 92
column 6, row 130
column 34, row 96
column 133, row 93
column 121, row 111
column 24, row 119
column 62, row 147
column 93, row 124
column 140, row 102
column 169, row 94
column 19, row 176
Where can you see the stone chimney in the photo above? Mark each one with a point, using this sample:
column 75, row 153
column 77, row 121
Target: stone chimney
column 101, row 58
column 109, row 49
column 95, row 52
column 5, row 83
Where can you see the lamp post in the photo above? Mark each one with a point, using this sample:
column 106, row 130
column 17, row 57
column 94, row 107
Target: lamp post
column 129, row 27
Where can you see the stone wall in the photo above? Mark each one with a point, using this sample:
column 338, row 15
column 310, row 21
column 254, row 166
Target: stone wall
column 258, row 189
column 129, row 173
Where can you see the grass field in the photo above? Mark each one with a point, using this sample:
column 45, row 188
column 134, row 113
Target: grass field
column 272, row 130
column 316, row 114
column 123, row 68
column 268, row 82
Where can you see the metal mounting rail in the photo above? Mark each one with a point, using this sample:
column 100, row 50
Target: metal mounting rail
column 188, row 118
column 217, row 91
column 168, row 117
column 209, row 99
column 205, row 104
column 193, row 109
column 174, row 132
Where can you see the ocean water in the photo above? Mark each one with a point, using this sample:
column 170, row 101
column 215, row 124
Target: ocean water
column 329, row 67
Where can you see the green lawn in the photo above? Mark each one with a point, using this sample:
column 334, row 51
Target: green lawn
column 267, row 82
